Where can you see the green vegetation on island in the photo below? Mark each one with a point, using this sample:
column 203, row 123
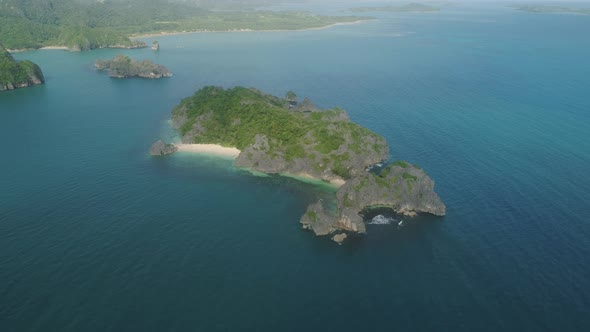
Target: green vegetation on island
column 411, row 7
column 85, row 24
column 282, row 136
column 278, row 135
column 553, row 9
column 122, row 66
column 18, row 74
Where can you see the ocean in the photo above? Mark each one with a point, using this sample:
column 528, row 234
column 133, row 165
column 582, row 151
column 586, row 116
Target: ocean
column 96, row 235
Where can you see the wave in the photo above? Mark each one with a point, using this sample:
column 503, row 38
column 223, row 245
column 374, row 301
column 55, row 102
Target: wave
column 381, row 220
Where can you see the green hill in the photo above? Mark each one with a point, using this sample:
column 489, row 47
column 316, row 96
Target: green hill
column 17, row 74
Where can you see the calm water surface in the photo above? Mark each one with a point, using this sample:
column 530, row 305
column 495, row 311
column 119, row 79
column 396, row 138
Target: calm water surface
column 97, row 236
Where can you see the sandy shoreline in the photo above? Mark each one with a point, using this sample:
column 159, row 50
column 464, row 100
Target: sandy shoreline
column 54, row 48
column 62, row 48
column 213, row 149
column 160, row 34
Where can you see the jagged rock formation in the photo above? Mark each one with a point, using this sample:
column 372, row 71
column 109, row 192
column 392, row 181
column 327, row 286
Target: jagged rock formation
column 124, row 67
column 159, row 148
column 18, row 74
column 401, row 187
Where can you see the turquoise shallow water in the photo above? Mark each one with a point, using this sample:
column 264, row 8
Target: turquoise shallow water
column 97, row 236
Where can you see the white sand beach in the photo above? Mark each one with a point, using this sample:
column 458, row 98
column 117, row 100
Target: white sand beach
column 64, row 48
column 209, row 149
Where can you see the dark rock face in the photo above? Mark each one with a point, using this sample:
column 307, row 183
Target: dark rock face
column 401, row 187
column 18, row 74
column 160, row 148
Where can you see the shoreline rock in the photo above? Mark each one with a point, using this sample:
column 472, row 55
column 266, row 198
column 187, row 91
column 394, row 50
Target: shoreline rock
column 339, row 238
column 160, row 148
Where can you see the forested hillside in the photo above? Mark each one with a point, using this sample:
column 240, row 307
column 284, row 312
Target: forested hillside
column 87, row 24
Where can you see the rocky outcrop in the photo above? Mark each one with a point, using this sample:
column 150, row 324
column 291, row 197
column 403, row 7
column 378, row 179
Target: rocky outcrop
column 18, row 74
column 123, row 67
column 401, row 187
column 160, row 148
column 339, row 238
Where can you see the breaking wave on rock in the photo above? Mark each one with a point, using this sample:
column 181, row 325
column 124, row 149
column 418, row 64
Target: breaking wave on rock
column 381, row 220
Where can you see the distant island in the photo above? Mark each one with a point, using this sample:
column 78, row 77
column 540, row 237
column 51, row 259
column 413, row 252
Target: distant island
column 283, row 136
column 124, row 67
column 553, row 9
column 80, row 25
column 18, row 74
column 411, row 7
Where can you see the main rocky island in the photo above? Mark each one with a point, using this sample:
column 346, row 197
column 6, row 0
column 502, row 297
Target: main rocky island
column 18, row 74
column 281, row 136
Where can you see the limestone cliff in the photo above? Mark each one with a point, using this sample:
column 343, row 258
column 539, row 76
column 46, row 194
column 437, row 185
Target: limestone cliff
column 18, row 74
column 404, row 188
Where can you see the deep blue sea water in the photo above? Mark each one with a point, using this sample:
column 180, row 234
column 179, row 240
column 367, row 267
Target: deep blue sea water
column 494, row 104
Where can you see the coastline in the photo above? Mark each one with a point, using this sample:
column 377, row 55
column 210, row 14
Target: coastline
column 212, row 149
column 231, row 152
column 173, row 33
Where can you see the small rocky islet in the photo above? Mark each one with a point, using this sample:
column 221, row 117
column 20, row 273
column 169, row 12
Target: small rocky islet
column 282, row 136
column 18, row 74
column 122, row 66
